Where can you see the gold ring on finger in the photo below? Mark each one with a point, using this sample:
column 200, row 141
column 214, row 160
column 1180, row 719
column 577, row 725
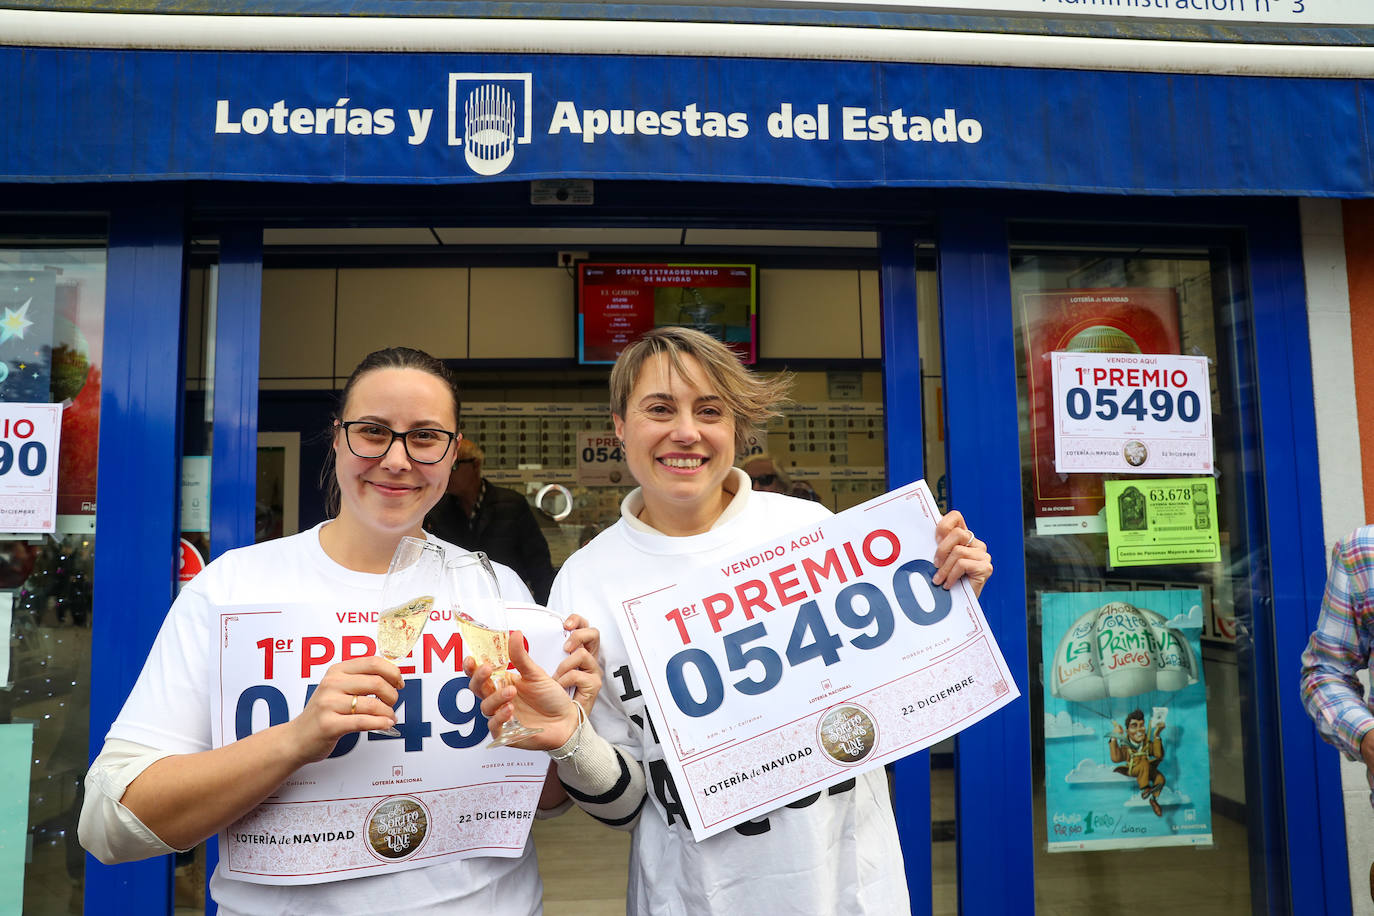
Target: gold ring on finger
column 353, row 707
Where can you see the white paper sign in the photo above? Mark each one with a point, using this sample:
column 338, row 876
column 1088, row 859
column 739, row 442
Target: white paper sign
column 601, row 461
column 195, row 493
column 6, row 632
column 29, row 439
column 1131, row 413
column 809, row 659
column 377, row 804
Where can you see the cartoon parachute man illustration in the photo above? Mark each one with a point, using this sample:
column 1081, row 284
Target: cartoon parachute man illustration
column 1117, row 657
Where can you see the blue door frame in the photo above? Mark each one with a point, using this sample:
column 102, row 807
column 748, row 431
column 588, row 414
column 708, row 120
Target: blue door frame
column 234, row 451
column 1302, row 837
column 902, row 410
column 142, row 403
column 137, row 528
column 978, row 347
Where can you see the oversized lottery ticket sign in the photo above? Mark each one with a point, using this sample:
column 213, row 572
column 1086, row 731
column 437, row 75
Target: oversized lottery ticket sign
column 377, row 803
column 29, row 439
column 601, row 461
column 794, row 666
column 1131, row 413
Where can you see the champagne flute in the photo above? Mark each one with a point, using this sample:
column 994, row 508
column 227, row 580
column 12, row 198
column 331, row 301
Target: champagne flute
column 415, row 577
column 483, row 621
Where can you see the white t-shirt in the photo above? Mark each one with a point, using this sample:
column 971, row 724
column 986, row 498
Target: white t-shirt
column 169, row 709
column 838, row 854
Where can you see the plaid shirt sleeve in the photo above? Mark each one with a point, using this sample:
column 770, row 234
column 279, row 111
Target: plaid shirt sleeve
column 1340, row 646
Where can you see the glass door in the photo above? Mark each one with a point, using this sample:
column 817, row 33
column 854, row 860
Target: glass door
column 536, row 421
column 1141, row 581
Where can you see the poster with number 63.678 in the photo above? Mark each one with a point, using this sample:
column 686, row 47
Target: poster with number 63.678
column 811, row 658
column 29, row 439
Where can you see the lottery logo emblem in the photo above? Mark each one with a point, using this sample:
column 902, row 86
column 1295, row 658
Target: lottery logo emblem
column 489, row 114
column 848, row 734
column 397, row 827
column 1135, row 453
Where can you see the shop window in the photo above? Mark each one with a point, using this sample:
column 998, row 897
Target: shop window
column 52, row 303
column 1139, row 559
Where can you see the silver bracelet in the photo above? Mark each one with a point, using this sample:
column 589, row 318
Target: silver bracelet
column 577, row 735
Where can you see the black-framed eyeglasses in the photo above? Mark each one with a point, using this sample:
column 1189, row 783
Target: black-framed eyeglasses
column 765, row 480
column 367, row 439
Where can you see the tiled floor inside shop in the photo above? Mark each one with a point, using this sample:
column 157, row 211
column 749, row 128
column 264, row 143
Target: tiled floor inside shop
column 583, row 865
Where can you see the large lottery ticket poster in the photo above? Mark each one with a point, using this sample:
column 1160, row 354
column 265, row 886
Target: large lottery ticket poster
column 1126, row 758
column 1130, row 320
column 811, row 658
column 377, row 803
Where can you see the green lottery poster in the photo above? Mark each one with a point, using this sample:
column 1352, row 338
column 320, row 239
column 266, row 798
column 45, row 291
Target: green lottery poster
column 1162, row 522
column 1126, row 756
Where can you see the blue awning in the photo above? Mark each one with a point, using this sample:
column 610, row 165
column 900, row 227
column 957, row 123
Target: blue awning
column 101, row 115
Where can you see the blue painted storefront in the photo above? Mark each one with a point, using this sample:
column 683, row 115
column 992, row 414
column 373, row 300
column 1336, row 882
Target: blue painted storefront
column 162, row 140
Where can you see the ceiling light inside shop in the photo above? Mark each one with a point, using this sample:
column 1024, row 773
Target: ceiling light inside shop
column 564, row 237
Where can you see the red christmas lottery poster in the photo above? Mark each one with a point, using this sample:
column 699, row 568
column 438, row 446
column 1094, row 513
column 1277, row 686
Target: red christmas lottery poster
column 1132, row 320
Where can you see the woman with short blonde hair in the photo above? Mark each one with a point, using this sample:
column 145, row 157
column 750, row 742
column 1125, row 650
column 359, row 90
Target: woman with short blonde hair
column 681, row 402
column 750, row 398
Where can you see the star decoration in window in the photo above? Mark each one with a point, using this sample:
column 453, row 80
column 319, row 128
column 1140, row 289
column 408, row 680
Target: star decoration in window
column 15, row 323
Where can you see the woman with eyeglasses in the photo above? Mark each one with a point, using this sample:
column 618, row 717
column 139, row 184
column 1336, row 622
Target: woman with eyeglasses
column 159, row 785
column 684, row 406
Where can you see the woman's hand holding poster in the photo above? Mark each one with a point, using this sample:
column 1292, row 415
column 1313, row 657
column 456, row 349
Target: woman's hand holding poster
column 813, row 657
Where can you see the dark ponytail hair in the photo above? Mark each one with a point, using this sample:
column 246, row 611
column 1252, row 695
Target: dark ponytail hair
column 390, row 358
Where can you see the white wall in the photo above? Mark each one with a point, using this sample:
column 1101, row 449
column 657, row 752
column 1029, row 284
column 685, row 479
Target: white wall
column 317, row 323
column 1338, row 458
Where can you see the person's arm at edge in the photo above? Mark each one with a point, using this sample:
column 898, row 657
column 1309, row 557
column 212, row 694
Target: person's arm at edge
column 107, row 829
column 581, row 673
column 602, row 778
column 1336, row 652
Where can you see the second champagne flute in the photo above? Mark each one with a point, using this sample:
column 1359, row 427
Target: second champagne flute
column 484, row 623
